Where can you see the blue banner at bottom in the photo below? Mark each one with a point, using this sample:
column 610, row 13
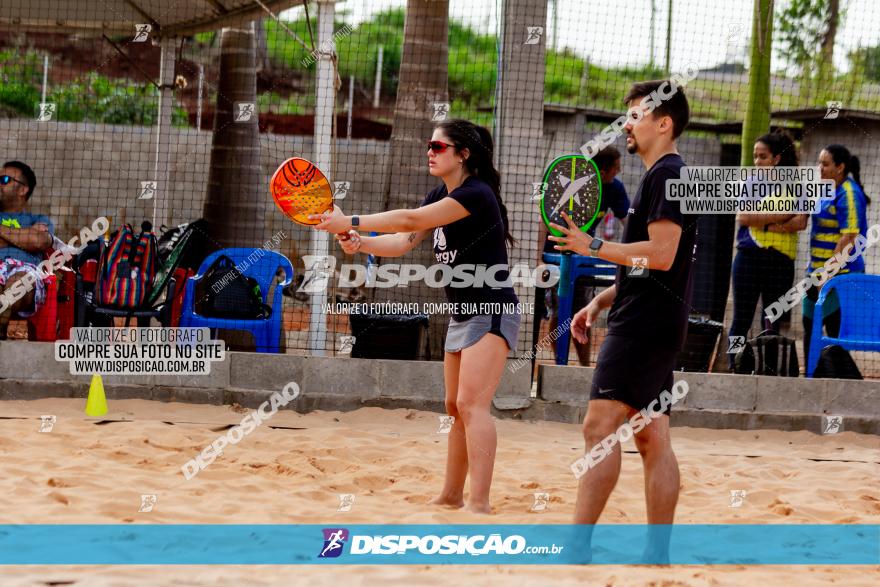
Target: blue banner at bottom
column 371, row 544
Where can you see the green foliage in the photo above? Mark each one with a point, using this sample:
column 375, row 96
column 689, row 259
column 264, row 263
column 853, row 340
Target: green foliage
column 357, row 48
column 473, row 65
column 569, row 78
column 359, row 51
column 20, row 78
column 472, row 72
column 294, row 104
column 92, row 98
column 802, row 27
column 19, row 97
column 867, row 59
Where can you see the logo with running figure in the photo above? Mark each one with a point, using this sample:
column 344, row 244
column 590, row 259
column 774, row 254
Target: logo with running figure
column 439, row 239
column 334, row 540
column 316, row 277
column 47, row 423
column 833, row 110
column 440, row 252
column 832, row 424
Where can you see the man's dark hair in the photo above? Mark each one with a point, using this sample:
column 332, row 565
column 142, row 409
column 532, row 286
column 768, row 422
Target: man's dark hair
column 30, row 178
column 676, row 106
column 606, row 158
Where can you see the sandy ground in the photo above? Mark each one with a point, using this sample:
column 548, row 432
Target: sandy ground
column 392, row 461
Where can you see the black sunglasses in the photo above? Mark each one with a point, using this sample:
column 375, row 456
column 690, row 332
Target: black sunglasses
column 5, row 179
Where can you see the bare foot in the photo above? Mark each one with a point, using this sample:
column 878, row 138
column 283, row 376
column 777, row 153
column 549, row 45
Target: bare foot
column 657, row 558
column 447, row 501
column 479, row 508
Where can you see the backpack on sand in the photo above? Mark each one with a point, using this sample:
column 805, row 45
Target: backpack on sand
column 768, row 354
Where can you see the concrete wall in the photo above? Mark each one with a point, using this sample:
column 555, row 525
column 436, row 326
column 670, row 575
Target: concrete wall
column 744, row 402
column 714, row 400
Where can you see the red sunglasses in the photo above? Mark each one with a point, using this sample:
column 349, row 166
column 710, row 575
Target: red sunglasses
column 438, row 146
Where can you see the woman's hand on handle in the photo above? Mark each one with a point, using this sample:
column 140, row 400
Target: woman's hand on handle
column 350, row 242
column 335, row 221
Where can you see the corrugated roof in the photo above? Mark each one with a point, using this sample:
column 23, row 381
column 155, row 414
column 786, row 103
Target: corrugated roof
column 167, row 17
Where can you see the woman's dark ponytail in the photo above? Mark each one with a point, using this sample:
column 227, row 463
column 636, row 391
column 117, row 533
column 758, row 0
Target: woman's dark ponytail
column 478, row 140
column 855, row 168
column 851, row 165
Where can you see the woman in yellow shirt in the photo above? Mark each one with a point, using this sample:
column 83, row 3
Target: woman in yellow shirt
column 766, row 245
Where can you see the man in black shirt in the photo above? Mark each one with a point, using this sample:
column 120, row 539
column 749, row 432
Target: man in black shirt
column 647, row 323
column 615, row 200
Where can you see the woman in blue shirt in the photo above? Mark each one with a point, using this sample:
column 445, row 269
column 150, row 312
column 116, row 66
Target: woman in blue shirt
column 834, row 227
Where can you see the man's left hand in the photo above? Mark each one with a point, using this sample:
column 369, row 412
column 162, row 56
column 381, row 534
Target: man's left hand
column 572, row 239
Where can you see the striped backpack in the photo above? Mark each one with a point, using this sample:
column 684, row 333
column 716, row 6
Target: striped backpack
column 127, row 268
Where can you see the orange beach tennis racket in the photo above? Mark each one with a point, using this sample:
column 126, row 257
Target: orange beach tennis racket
column 299, row 189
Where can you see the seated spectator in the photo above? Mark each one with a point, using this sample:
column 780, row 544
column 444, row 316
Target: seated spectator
column 23, row 239
column 615, row 199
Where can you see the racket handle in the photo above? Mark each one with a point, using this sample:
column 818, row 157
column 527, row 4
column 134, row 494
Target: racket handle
column 564, row 288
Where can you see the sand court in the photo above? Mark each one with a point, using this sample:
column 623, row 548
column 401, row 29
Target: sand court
column 293, row 468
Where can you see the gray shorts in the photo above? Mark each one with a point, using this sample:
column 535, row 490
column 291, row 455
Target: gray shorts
column 464, row 334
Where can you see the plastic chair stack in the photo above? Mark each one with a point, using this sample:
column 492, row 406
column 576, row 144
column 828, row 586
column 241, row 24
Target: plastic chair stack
column 598, row 271
column 859, row 296
column 266, row 331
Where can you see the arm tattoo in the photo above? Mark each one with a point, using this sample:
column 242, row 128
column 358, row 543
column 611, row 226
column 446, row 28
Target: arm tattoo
column 413, row 236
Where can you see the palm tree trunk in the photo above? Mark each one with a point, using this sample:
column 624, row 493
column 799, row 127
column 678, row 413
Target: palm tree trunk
column 262, row 47
column 423, row 82
column 235, row 206
column 757, row 120
column 826, row 61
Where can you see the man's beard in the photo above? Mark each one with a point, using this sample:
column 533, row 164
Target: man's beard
column 632, row 147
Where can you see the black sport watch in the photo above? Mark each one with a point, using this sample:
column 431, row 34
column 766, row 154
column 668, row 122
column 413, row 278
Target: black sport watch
column 355, row 221
column 595, row 245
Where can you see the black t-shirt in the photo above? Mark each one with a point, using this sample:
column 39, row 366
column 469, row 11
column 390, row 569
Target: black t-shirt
column 477, row 239
column 656, row 305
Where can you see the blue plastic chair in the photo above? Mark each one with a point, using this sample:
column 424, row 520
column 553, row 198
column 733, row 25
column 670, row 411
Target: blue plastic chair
column 578, row 266
column 859, row 296
column 266, row 331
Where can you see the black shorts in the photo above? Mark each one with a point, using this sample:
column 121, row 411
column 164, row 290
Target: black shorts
column 633, row 371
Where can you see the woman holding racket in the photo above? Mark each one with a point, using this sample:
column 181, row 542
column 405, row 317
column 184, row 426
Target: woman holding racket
column 469, row 224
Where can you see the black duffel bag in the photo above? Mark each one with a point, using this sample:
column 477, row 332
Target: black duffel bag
column 224, row 292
